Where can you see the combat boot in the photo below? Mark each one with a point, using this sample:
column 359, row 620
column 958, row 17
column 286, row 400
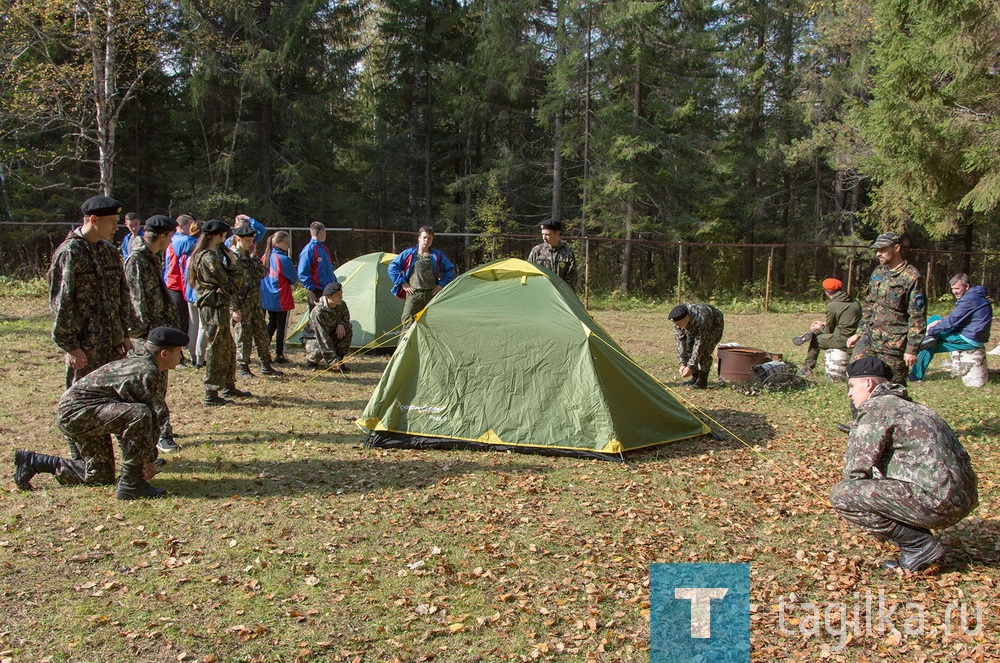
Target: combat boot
column 244, row 370
column 918, row 549
column 693, row 379
column 803, row 338
column 27, row 464
column 212, row 399
column 132, row 485
column 233, row 392
column 702, row 381
column 267, row 369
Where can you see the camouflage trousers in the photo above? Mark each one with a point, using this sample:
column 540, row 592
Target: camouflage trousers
column 703, row 360
column 91, row 428
column 866, row 347
column 877, row 505
column 96, row 357
column 416, row 302
column 250, row 331
column 341, row 347
column 220, row 356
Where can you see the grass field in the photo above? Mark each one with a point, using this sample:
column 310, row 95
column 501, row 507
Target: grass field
column 284, row 539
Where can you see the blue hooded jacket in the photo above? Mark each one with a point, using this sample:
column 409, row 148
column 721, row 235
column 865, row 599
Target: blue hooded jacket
column 971, row 318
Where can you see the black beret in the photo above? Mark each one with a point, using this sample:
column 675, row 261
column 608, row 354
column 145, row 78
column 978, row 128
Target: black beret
column 551, row 225
column 159, row 223
column 869, row 367
column 332, row 288
column 246, row 230
column 215, row 227
column 678, row 313
column 168, row 337
column 101, row 206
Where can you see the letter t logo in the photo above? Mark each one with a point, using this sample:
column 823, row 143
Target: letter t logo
column 701, row 607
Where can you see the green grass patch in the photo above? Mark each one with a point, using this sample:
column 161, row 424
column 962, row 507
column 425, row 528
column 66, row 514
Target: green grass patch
column 284, row 539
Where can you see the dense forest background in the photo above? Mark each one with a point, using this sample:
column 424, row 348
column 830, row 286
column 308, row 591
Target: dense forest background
column 703, row 120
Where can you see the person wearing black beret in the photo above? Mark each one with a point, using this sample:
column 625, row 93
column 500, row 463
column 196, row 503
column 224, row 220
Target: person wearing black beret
column 555, row 254
column 905, row 471
column 151, row 304
column 697, row 330
column 216, row 279
column 88, row 295
column 125, row 398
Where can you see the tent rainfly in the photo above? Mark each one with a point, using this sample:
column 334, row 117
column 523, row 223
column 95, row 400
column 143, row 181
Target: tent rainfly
column 507, row 358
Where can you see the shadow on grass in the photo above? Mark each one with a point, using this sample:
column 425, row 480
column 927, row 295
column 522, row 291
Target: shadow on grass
column 752, row 428
column 982, row 429
column 977, row 542
column 250, row 437
column 295, row 402
column 203, row 479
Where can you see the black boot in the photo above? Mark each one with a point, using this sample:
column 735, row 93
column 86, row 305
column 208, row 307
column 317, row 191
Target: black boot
column 132, row 485
column 267, row 369
column 693, row 379
column 233, row 392
column 918, row 549
column 244, row 371
column 702, row 381
column 803, row 338
column 212, row 399
column 27, row 464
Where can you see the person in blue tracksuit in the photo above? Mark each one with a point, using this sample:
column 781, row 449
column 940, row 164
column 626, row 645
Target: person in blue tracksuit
column 967, row 327
column 419, row 273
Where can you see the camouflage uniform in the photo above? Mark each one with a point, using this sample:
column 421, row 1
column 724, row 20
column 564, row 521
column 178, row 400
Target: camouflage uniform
column 903, row 465
column 151, row 305
column 559, row 260
column 696, row 342
column 252, row 327
column 842, row 316
column 123, row 398
column 894, row 318
column 218, row 281
column 324, row 320
column 89, row 301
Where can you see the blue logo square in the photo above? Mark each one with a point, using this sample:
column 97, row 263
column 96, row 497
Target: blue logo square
column 699, row 612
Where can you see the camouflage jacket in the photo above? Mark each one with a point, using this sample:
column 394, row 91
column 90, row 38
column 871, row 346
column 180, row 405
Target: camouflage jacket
column 559, row 260
column 134, row 379
column 895, row 438
column 842, row 317
column 252, row 271
column 324, row 321
column 217, row 278
column 895, row 310
column 88, row 296
column 151, row 305
column 706, row 323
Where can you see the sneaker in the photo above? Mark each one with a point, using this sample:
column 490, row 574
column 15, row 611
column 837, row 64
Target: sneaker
column 804, row 338
column 167, row 444
column 233, row 392
column 159, row 462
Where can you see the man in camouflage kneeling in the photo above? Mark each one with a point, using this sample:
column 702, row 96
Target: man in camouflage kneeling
column 905, row 472
column 123, row 398
column 331, row 323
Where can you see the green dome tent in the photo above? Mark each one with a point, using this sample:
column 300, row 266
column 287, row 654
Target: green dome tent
column 506, row 357
column 375, row 311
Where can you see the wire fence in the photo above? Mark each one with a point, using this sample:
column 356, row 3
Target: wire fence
column 659, row 269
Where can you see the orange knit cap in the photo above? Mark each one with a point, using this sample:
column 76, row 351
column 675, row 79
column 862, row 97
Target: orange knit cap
column 832, row 285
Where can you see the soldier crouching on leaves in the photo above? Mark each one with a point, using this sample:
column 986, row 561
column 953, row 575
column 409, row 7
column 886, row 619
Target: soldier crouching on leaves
column 905, row 472
column 123, row 398
column 697, row 329
column 331, row 323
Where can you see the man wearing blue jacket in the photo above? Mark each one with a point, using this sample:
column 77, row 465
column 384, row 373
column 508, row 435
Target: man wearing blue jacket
column 316, row 265
column 966, row 328
column 419, row 273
